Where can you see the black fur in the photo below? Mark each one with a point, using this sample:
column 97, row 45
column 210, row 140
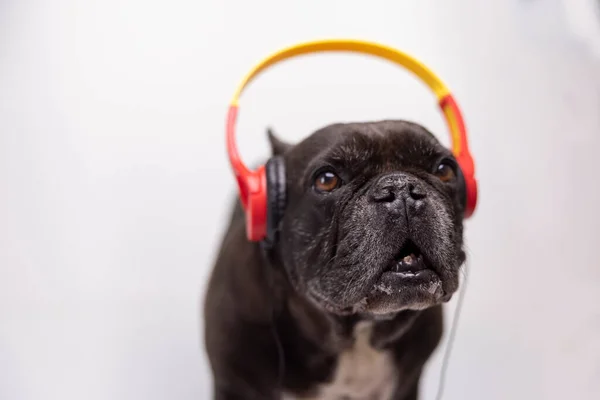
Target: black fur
column 276, row 321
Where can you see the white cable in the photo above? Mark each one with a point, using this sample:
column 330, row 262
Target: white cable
column 452, row 335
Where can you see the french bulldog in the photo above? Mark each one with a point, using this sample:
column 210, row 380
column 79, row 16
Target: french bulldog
column 347, row 303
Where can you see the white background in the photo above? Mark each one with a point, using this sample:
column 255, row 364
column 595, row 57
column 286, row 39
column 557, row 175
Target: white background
column 114, row 186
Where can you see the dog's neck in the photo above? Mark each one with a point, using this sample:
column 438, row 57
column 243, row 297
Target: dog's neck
column 336, row 332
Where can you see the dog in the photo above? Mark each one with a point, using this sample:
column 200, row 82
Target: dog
column 347, row 303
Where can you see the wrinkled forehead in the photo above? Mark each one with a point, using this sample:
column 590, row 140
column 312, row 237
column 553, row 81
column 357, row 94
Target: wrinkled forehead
column 391, row 145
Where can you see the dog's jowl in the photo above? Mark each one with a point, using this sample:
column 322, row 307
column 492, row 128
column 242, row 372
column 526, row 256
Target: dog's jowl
column 346, row 304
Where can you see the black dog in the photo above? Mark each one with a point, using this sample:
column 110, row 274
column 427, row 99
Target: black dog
column 347, row 304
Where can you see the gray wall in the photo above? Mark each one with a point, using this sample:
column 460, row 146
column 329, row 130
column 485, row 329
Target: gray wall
column 115, row 187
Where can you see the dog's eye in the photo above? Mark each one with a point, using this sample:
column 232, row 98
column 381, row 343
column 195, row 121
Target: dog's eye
column 445, row 172
column 327, row 181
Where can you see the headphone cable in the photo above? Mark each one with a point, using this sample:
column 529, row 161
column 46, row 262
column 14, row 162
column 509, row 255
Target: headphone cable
column 452, row 335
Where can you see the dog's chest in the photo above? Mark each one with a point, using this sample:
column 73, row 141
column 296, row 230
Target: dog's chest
column 362, row 373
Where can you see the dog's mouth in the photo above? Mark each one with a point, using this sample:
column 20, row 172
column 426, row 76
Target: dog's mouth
column 408, row 262
column 409, row 281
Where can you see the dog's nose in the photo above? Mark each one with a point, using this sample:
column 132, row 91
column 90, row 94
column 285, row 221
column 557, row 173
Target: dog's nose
column 416, row 191
column 397, row 189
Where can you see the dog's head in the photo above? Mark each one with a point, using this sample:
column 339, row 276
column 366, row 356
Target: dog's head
column 373, row 222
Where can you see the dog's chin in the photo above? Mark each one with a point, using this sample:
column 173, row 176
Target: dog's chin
column 398, row 291
column 394, row 292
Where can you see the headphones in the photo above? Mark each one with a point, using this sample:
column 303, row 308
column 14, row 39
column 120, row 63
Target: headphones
column 263, row 191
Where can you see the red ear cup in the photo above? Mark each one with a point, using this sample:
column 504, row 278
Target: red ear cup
column 461, row 151
column 471, row 185
column 252, row 185
column 465, row 161
column 256, row 205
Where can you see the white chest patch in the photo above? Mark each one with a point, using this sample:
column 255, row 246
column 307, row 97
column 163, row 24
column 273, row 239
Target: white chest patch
column 362, row 372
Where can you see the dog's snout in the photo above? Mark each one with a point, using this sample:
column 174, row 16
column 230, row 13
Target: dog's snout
column 397, row 189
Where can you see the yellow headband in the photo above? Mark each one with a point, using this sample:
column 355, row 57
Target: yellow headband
column 388, row 53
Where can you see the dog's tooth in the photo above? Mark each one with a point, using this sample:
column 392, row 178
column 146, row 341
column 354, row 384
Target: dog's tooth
column 408, row 259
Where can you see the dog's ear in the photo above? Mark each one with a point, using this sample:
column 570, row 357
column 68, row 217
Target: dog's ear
column 278, row 146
